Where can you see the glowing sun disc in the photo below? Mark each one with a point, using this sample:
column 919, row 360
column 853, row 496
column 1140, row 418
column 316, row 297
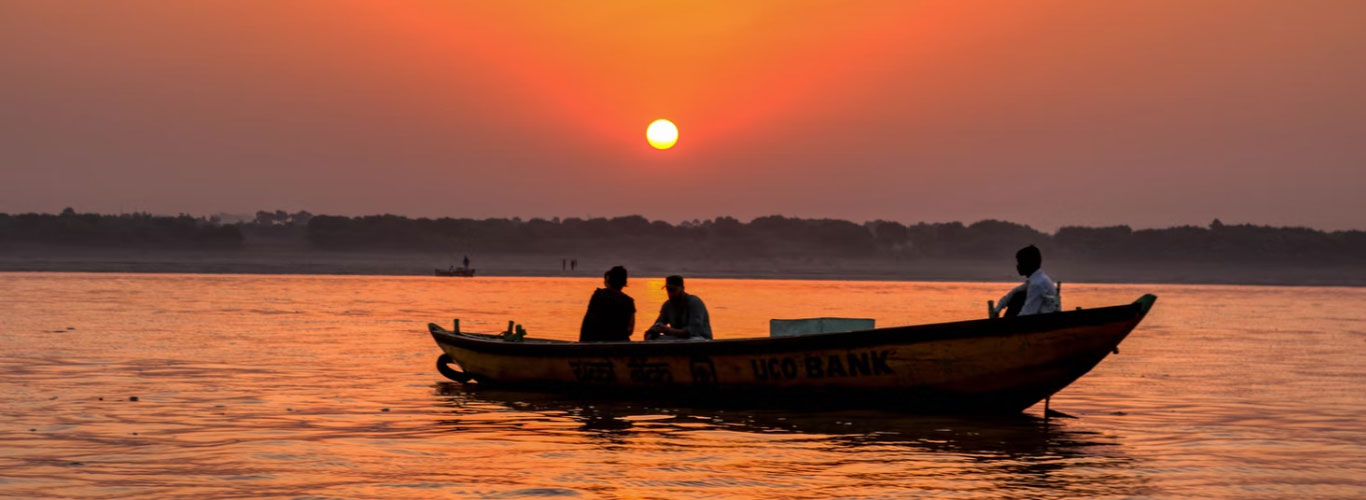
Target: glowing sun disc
column 662, row 134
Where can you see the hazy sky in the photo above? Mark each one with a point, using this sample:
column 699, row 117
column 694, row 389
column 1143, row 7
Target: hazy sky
column 1144, row 112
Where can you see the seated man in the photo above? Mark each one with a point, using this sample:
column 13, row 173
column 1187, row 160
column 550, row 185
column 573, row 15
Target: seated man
column 682, row 317
column 611, row 313
column 1037, row 294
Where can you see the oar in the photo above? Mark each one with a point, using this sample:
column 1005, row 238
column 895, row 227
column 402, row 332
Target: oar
column 1049, row 412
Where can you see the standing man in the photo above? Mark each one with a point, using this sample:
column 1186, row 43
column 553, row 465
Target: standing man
column 682, row 317
column 1037, row 295
column 467, row 262
column 611, row 313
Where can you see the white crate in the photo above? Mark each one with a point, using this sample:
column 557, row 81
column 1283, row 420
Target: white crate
column 808, row 326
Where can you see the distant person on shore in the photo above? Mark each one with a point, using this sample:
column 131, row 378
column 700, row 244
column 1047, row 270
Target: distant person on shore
column 573, row 263
column 682, row 317
column 611, row 313
column 1037, row 295
column 467, row 262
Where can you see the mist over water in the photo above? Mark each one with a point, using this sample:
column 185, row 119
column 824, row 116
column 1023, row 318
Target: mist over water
column 291, row 386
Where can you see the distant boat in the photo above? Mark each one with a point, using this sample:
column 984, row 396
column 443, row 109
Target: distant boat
column 981, row 366
column 458, row 271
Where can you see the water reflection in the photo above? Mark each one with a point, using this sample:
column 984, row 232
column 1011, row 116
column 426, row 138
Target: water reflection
column 1020, row 455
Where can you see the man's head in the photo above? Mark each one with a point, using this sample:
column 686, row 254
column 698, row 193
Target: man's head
column 674, row 285
column 1028, row 260
column 615, row 278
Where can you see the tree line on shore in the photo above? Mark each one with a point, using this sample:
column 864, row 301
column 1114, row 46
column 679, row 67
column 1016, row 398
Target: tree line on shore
column 722, row 237
column 140, row 229
column 787, row 237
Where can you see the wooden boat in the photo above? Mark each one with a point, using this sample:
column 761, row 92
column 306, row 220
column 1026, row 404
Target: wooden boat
column 467, row 272
column 989, row 365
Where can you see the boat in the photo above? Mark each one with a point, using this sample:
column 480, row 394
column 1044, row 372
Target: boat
column 467, row 272
column 994, row 365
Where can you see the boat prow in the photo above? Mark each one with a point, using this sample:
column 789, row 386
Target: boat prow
column 989, row 365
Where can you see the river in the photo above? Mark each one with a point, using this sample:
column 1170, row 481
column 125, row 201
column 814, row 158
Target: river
column 324, row 386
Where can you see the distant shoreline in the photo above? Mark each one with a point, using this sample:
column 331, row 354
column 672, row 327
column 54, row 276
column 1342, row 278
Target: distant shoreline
column 379, row 263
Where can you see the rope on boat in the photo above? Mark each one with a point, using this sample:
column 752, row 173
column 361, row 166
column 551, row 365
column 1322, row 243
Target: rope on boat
column 443, row 366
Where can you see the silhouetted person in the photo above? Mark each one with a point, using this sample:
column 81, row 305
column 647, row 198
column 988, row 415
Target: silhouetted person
column 573, row 263
column 1037, row 295
column 611, row 314
column 682, row 317
column 467, row 262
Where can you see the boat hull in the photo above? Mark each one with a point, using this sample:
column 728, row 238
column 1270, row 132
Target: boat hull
column 993, row 365
column 462, row 272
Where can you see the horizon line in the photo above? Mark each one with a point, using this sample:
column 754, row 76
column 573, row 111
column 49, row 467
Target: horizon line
column 248, row 217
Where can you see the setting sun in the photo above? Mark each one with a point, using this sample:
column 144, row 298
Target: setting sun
column 662, row 134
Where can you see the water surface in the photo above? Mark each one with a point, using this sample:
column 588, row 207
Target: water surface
column 298, row 386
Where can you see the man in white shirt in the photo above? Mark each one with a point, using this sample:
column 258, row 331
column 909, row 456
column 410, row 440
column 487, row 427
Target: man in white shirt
column 1037, row 295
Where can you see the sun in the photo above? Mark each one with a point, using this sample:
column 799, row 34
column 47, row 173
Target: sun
column 662, row 134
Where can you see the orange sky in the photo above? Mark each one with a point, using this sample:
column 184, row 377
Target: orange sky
column 1050, row 113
